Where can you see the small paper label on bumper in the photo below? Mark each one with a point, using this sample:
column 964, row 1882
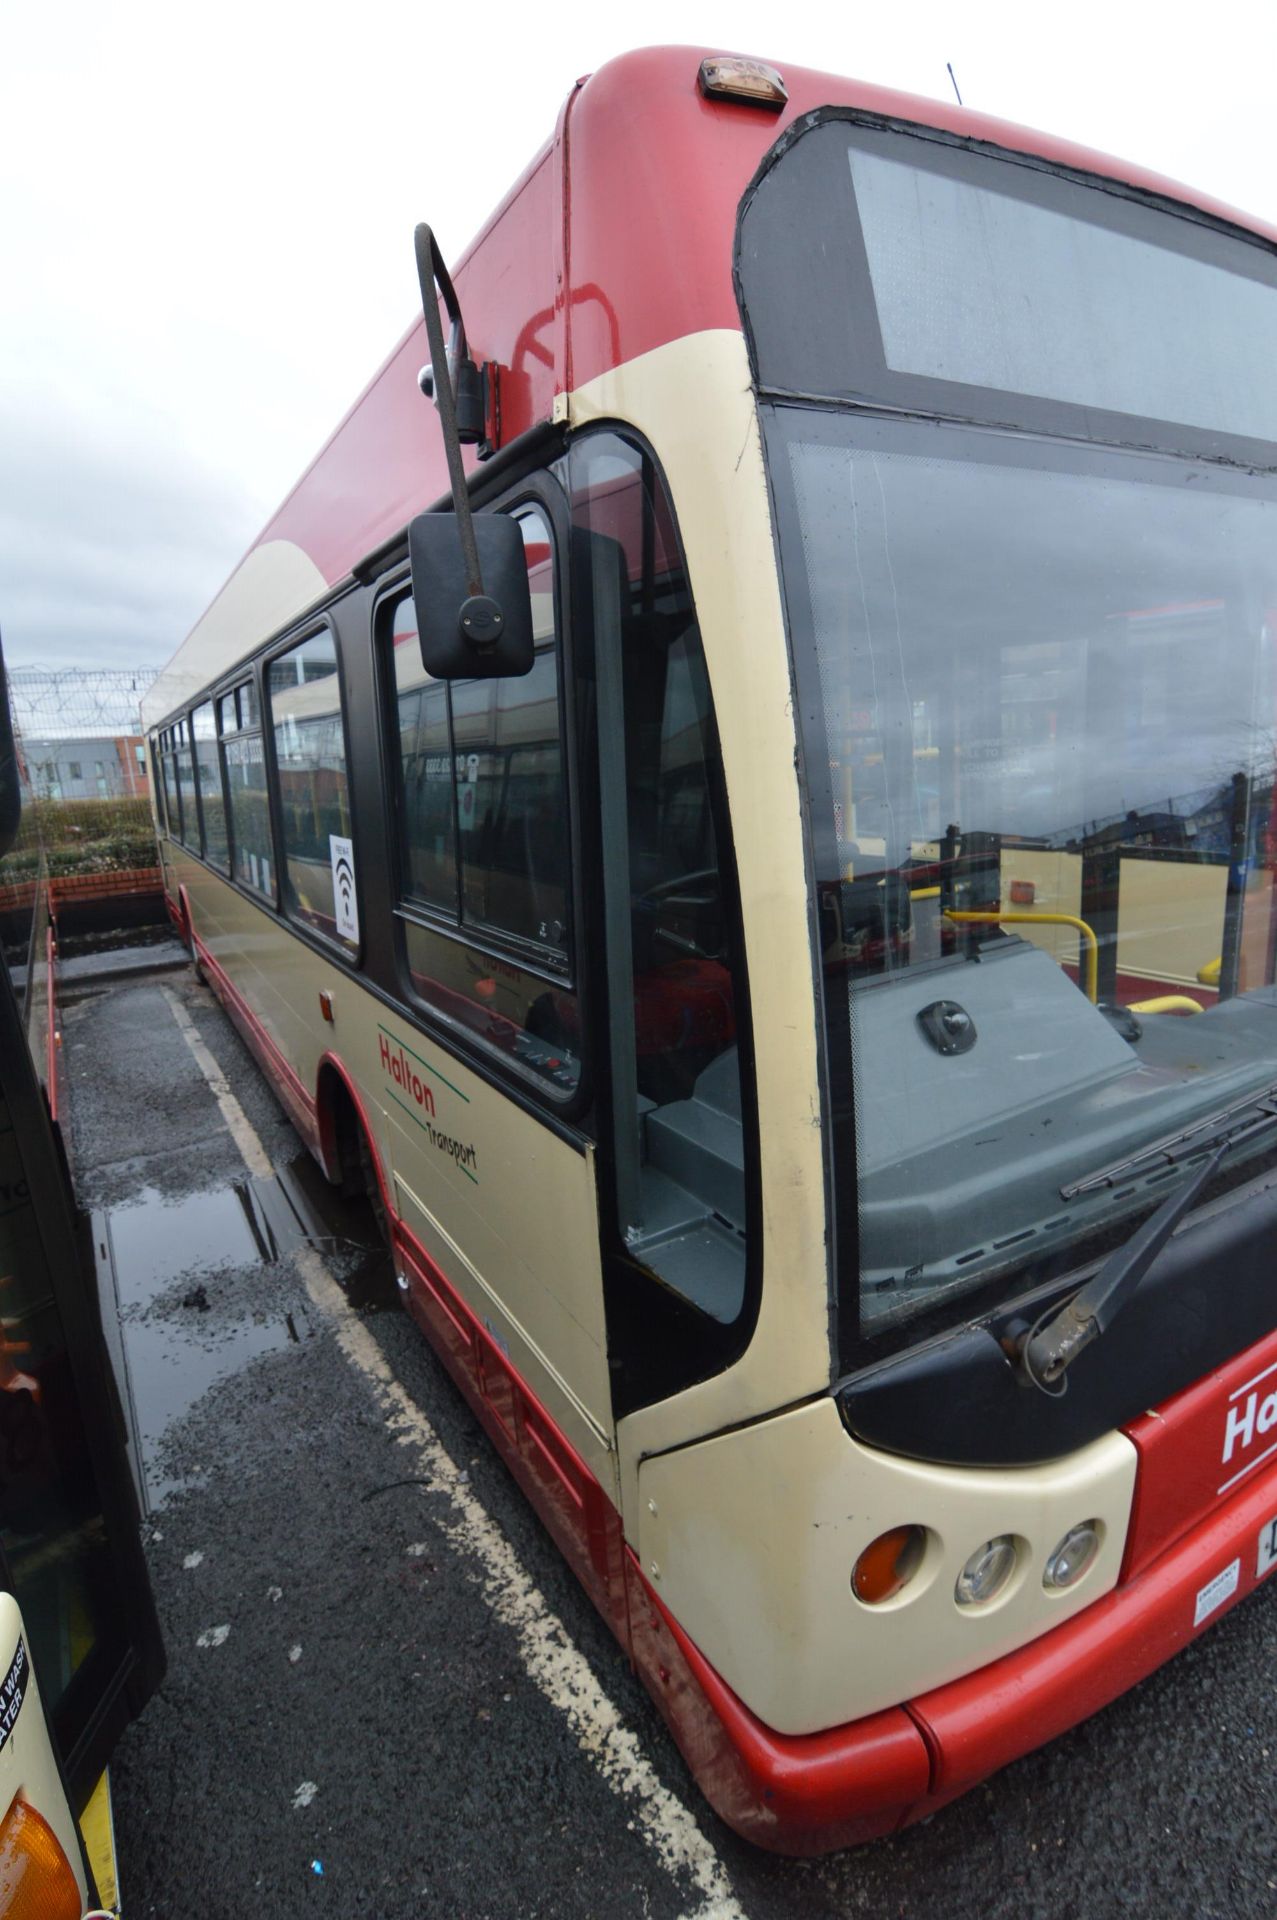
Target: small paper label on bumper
column 1216, row 1591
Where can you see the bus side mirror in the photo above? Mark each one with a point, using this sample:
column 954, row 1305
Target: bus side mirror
column 467, row 636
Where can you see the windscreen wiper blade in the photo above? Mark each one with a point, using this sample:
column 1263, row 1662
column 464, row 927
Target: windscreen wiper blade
column 1239, row 1120
column 1051, row 1346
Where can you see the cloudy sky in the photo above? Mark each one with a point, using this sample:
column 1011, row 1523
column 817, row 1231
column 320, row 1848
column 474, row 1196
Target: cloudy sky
column 206, row 227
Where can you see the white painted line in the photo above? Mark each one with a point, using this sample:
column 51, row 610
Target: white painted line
column 241, row 1129
column 549, row 1656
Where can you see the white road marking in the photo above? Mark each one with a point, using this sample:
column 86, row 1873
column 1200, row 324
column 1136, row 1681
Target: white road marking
column 549, row 1656
column 241, row 1129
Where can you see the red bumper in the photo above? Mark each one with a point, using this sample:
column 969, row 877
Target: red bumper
column 813, row 1793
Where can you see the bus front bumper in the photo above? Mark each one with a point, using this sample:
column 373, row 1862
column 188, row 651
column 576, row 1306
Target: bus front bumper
column 813, row 1793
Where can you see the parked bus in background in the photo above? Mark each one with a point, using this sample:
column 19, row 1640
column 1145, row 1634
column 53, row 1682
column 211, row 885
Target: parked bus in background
column 773, row 879
column 80, row 1650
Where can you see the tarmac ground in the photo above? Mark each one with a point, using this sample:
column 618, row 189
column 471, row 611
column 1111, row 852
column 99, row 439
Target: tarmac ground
column 387, row 1695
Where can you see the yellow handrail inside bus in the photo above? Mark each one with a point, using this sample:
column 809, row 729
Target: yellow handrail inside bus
column 1166, row 1003
column 925, row 893
column 1044, row 920
column 1208, row 976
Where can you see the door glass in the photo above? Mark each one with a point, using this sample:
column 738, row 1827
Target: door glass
column 676, row 1069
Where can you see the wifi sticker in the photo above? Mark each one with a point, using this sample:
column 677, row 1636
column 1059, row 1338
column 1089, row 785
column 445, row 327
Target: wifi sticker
column 345, row 910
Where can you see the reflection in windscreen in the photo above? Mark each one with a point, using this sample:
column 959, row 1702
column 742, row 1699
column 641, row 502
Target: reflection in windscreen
column 1049, row 697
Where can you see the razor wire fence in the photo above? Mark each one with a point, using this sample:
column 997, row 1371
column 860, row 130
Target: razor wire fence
column 83, row 770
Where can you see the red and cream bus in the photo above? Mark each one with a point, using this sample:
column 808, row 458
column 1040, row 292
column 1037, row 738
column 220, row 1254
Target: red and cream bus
column 800, row 981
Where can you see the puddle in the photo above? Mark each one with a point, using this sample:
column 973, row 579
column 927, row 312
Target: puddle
column 182, row 1309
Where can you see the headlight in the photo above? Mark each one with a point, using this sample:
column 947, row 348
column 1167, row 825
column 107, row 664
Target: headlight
column 1069, row 1560
column 987, row 1571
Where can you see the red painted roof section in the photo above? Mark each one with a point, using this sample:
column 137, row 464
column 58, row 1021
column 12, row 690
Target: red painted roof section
column 656, row 176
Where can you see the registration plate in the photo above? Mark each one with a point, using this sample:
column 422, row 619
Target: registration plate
column 1267, row 1559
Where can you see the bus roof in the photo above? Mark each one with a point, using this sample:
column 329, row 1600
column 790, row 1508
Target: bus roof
column 598, row 254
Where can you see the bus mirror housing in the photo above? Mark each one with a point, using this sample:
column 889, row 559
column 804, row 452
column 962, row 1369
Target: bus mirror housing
column 468, row 629
column 464, row 635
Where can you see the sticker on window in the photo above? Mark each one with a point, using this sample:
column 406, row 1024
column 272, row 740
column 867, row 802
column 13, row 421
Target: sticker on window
column 345, row 911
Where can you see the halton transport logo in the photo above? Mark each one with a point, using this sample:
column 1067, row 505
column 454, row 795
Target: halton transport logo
column 414, row 1076
column 1251, row 1414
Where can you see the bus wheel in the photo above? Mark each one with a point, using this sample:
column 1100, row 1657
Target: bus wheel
column 372, row 1187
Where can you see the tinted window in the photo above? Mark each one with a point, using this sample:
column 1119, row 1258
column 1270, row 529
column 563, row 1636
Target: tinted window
column 244, row 759
column 184, row 766
column 310, row 759
column 511, row 807
column 485, row 843
column 427, row 790
column 213, row 807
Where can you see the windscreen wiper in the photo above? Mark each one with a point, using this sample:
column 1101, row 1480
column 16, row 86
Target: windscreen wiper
column 1051, row 1346
column 1249, row 1114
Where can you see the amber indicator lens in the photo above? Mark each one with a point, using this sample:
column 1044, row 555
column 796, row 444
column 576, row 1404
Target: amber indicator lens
column 888, row 1564
column 36, row 1881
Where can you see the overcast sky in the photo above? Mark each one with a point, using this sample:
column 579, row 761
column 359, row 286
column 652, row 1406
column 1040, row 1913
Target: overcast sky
column 206, row 227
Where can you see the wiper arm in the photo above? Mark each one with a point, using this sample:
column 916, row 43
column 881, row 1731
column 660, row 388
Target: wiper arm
column 1242, row 1117
column 1051, row 1346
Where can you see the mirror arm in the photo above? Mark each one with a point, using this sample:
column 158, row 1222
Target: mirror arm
column 432, row 272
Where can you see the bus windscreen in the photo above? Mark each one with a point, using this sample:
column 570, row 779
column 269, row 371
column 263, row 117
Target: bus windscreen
column 1048, row 879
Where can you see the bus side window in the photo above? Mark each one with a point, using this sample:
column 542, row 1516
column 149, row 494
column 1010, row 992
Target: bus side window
column 669, row 890
column 244, row 767
column 304, row 695
column 184, row 774
column 484, row 840
column 208, row 770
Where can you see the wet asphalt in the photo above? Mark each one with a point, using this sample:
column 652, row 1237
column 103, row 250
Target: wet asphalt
column 346, row 1728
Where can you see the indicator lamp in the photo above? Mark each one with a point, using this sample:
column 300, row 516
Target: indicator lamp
column 726, row 77
column 1073, row 1556
column 987, row 1571
column 888, row 1564
column 36, row 1879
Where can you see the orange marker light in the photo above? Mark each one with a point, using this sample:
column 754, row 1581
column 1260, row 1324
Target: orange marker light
column 888, row 1564
column 726, row 77
column 36, row 1880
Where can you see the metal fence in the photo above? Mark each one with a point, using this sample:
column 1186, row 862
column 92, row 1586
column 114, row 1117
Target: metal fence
column 79, row 732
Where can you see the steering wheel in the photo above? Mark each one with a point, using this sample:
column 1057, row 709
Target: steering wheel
column 681, row 887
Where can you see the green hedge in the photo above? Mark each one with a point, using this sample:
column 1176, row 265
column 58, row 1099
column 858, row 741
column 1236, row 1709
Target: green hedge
column 82, row 836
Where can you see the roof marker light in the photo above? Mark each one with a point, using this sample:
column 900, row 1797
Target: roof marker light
column 726, row 77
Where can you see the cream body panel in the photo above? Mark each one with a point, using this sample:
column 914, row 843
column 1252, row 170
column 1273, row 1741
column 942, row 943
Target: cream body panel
column 514, row 1227
column 516, row 1232
column 1170, row 919
column 750, row 1539
column 692, row 399
column 272, row 585
column 27, row 1765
